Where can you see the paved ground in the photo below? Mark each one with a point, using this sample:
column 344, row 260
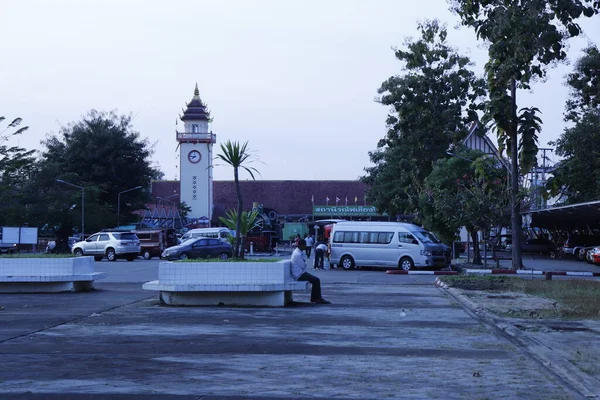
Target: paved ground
column 384, row 336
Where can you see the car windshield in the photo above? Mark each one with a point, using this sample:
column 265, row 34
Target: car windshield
column 125, row 236
column 425, row 237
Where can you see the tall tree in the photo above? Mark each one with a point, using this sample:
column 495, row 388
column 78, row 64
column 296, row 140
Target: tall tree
column 524, row 37
column 431, row 104
column 577, row 177
column 16, row 166
column 584, row 83
column 103, row 154
column 238, row 157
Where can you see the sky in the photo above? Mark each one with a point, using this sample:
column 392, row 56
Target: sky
column 296, row 79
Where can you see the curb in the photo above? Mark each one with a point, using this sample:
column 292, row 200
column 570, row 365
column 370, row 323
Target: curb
column 402, row 272
column 527, row 272
column 586, row 385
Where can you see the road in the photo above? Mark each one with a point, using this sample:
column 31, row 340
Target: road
column 384, row 336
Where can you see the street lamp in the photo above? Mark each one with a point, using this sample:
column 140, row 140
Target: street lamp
column 82, row 205
column 119, row 203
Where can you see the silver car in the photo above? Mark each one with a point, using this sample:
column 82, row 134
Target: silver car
column 111, row 245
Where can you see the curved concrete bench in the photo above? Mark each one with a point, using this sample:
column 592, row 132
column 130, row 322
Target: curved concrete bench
column 225, row 283
column 47, row 275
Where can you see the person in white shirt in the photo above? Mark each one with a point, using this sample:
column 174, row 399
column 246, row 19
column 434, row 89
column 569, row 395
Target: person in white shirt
column 299, row 273
column 320, row 252
column 309, row 244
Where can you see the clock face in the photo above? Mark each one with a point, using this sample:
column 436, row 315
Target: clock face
column 194, row 156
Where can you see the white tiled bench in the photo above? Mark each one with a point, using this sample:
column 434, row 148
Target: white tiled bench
column 225, row 283
column 47, row 275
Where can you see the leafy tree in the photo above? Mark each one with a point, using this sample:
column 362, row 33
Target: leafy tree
column 431, row 104
column 467, row 190
column 184, row 209
column 577, row 177
column 106, row 156
column 585, row 85
column 16, row 166
column 238, row 156
column 524, row 37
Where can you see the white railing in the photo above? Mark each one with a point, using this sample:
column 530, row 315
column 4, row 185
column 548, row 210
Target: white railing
column 197, row 137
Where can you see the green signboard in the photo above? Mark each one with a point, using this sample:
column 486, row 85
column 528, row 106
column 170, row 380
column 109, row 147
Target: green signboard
column 345, row 211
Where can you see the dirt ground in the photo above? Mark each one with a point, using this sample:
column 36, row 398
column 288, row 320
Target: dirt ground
column 513, row 304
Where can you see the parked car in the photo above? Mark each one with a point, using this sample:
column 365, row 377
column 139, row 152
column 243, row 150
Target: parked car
column 199, row 248
column 51, row 245
column 593, row 255
column 111, row 245
column 537, row 245
column 577, row 245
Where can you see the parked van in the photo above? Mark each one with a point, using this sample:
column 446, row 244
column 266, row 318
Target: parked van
column 217, row 233
column 386, row 244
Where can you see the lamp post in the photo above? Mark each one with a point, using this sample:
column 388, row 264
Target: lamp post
column 119, row 203
column 82, row 205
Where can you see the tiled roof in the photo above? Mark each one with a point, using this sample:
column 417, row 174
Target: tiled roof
column 196, row 110
column 283, row 197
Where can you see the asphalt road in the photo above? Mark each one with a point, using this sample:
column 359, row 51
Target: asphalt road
column 384, row 336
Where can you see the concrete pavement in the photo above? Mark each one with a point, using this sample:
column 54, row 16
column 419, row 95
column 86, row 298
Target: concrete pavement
column 384, row 336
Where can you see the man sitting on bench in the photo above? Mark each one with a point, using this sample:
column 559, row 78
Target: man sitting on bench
column 299, row 273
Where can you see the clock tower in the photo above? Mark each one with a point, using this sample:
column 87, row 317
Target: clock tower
column 195, row 158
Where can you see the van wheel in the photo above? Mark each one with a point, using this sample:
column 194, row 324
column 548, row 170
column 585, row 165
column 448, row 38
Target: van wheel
column 78, row 252
column 111, row 255
column 347, row 262
column 406, row 263
column 147, row 255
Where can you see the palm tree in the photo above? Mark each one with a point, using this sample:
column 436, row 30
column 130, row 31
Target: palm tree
column 238, row 156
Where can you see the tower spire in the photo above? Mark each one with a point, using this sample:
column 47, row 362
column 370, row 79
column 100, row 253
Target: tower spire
column 196, row 91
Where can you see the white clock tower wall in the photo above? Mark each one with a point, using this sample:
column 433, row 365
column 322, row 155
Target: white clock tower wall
column 196, row 179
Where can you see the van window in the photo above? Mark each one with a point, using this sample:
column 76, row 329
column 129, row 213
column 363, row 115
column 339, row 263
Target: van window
column 426, row 237
column 404, row 237
column 363, row 237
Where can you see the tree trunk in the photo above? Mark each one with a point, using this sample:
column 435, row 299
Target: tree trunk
column 237, row 251
column 476, row 252
column 515, row 217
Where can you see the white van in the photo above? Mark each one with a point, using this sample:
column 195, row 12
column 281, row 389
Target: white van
column 216, row 233
column 386, row 244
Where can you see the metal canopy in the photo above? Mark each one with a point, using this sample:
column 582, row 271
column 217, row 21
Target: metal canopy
column 580, row 216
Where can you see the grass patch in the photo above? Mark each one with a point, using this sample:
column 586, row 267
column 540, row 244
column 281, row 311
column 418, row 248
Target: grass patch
column 576, row 298
column 229, row 260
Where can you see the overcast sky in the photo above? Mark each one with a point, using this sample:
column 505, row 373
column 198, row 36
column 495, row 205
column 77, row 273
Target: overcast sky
column 296, row 79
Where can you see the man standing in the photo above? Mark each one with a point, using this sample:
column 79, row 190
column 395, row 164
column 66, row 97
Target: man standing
column 309, row 244
column 299, row 273
column 320, row 251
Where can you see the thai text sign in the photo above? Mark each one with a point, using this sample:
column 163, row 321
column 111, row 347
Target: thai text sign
column 346, row 211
